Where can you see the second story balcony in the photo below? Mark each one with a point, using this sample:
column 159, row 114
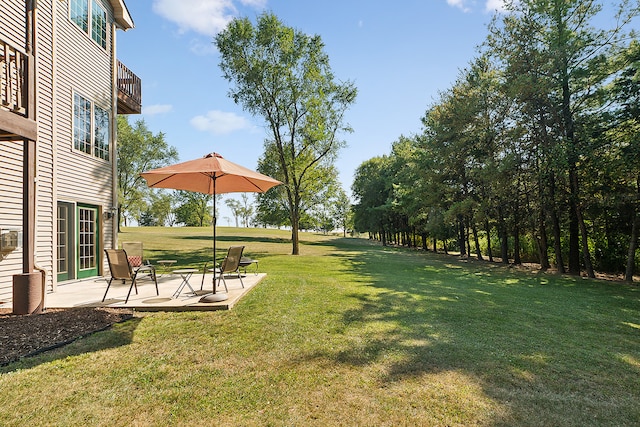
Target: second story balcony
column 129, row 91
column 17, row 91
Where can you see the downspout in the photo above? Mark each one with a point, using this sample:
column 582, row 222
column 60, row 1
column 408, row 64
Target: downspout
column 54, row 151
column 29, row 154
column 114, row 138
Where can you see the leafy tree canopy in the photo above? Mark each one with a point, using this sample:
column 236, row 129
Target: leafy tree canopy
column 283, row 75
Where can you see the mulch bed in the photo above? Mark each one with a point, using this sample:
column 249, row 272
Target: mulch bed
column 26, row 335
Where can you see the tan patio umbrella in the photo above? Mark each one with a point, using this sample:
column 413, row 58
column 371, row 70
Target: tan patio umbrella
column 211, row 174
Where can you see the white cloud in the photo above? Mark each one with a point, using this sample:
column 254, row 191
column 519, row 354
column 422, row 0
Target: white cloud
column 152, row 110
column 204, row 17
column 220, row 122
column 207, row 17
column 460, row 4
column 497, row 5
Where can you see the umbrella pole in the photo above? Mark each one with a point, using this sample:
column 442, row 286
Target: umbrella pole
column 215, row 264
column 214, row 297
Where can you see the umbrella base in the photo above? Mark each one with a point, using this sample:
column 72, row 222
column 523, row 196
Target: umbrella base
column 214, row 297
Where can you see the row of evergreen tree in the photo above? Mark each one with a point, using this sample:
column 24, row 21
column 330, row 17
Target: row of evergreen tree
column 532, row 154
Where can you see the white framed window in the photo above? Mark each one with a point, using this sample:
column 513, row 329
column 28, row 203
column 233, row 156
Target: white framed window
column 101, row 132
column 91, row 125
column 91, row 18
column 81, row 124
column 98, row 24
column 79, row 13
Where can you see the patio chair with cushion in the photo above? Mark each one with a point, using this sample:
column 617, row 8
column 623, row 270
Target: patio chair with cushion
column 121, row 269
column 135, row 255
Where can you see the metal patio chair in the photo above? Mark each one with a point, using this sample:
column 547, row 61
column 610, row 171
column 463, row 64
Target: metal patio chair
column 121, row 269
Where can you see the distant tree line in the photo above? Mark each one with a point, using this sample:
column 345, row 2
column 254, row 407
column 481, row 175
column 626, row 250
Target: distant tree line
column 533, row 154
column 140, row 150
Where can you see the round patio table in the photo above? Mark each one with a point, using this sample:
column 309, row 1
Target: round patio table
column 165, row 263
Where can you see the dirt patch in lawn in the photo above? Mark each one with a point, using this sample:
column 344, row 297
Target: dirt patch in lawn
column 26, row 335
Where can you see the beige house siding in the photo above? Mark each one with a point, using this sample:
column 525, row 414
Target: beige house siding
column 12, row 22
column 68, row 61
column 45, row 213
column 12, row 30
column 10, row 211
column 83, row 67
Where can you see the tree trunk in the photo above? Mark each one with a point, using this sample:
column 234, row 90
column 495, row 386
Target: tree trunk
column 541, row 241
column 461, row 237
column 295, row 223
column 583, row 229
column 633, row 244
column 516, row 246
column 295, row 243
column 119, row 216
column 567, row 118
column 476, row 241
column 555, row 222
column 585, row 245
column 466, row 236
column 516, row 236
column 488, row 231
column 504, row 244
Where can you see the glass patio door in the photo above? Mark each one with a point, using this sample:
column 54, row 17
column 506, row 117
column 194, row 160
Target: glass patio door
column 88, row 237
column 65, row 242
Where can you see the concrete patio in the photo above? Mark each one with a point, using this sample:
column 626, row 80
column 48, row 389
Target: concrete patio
column 89, row 293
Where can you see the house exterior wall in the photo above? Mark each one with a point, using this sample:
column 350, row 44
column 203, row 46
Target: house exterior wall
column 12, row 22
column 44, row 241
column 67, row 61
column 12, row 31
column 83, row 67
column 10, row 211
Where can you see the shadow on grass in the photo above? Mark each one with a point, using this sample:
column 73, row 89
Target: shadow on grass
column 195, row 258
column 557, row 345
column 227, row 238
column 116, row 335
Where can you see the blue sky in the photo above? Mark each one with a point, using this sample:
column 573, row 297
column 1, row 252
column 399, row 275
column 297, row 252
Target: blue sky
column 399, row 55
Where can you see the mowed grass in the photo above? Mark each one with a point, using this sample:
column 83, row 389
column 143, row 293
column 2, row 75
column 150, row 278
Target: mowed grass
column 354, row 334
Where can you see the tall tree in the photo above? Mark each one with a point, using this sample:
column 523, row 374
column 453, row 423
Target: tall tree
column 574, row 68
column 283, row 75
column 372, row 190
column 626, row 145
column 138, row 150
column 235, row 206
column 161, row 207
column 193, row 208
column 246, row 210
column 342, row 211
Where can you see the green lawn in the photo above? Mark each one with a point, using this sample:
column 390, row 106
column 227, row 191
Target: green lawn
column 349, row 333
